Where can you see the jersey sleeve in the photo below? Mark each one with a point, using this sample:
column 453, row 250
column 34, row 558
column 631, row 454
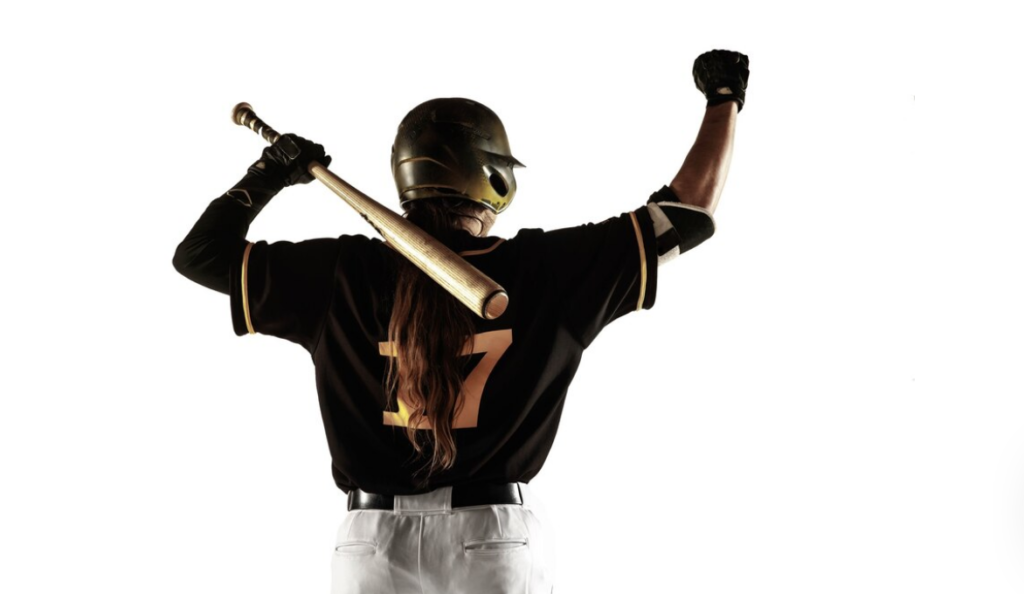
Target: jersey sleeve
column 599, row 272
column 284, row 289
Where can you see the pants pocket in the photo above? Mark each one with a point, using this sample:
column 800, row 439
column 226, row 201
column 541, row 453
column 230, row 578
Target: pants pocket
column 493, row 565
column 356, row 568
column 494, row 546
column 355, row 548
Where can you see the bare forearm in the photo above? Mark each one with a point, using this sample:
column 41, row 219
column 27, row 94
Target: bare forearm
column 702, row 177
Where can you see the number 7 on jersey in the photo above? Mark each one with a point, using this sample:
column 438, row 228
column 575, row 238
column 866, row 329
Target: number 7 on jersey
column 493, row 344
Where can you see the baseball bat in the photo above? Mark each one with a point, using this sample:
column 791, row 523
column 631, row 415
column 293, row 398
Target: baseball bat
column 473, row 288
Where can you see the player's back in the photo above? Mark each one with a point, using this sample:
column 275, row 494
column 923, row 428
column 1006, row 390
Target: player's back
column 564, row 286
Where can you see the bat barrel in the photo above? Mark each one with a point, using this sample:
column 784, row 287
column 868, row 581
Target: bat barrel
column 243, row 115
column 495, row 305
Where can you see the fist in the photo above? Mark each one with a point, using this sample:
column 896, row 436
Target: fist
column 288, row 159
column 722, row 76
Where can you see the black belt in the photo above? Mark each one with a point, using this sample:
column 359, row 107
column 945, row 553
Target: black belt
column 462, row 496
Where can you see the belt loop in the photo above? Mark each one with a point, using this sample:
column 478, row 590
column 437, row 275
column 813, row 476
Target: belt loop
column 522, row 500
column 350, row 494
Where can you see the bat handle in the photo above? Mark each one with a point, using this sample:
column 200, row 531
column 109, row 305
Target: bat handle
column 243, row 115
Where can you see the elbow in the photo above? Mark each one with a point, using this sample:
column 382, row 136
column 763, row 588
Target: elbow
column 703, row 196
column 183, row 258
column 206, row 261
column 197, row 260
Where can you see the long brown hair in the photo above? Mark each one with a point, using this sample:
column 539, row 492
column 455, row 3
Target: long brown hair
column 428, row 331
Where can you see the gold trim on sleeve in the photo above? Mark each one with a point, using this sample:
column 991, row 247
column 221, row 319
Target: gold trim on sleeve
column 643, row 261
column 245, row 288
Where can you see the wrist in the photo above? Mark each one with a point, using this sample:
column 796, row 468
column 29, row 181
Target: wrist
column 256, row 188
column 725, row 103
column 266, row 174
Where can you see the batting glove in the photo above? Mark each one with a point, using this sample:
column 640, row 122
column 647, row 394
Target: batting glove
column 722, row 76
column 287, row 160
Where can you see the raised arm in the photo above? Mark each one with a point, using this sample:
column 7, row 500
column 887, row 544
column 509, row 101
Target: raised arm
column 702, row 177
column 218, row 238
column 682, row 212
column 722, row 76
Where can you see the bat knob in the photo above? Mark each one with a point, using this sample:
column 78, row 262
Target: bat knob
column 495, row 305
column 243, row 115
column 237, row 113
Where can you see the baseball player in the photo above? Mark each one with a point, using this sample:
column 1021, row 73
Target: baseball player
column 436, row 419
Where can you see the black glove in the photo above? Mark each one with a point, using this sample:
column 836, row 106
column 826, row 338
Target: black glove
column 722, row 76
column 287, row 160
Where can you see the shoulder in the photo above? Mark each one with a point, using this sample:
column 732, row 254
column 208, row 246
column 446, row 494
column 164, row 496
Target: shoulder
column 319, row 254
column 362, row 251
column 628, row 224
column 357, row 241
column 354, row 246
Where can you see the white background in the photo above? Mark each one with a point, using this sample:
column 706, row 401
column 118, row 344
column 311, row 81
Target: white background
column 827, row 396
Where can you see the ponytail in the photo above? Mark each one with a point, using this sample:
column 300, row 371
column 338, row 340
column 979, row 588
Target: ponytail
column 428, row 331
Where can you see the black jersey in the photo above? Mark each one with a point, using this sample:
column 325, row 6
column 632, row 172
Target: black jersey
column 332, row 296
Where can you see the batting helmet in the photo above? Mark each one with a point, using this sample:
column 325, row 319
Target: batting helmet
column 456, row 148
